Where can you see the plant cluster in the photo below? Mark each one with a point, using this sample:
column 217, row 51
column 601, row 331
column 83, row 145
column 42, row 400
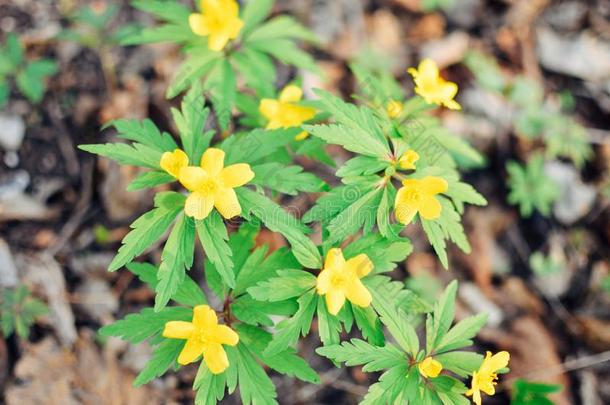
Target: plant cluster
column 28, row 76
column 543, row 122
column 231, row 166
column 19, row 310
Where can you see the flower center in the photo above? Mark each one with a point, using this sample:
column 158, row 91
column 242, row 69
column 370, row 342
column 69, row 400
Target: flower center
column 202, row 336
column 209, row 186
column 337, row 280
column 413, row 196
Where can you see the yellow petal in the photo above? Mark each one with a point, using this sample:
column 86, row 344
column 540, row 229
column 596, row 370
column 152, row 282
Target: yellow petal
column 190, row 352
column 234, row 27
column 323, row 282
column 334, row 260
column 291, row 94
column 294, row 115
column 487, row 386
column 430, row 208
column 236, row 175
column 407, row 161
column 172, row 162
column 334, row 301
column 358, row 294
column 269, row 108
column 217, row 41
column 430, row 368
column 428, row 71
column 212, row 161
column 204, row 317
column 476, row 397
column 198, row 24
column 226, row 335
column 498, row 361
column 301, row 136
column 361, row 265
column 226, row 202
column 215, row 358
column 193, row 178
column 433, row 185
column 452, row 105
column 198, row 205
column 178, row 330
column 405, row 213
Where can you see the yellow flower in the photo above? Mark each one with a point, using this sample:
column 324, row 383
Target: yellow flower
column 433, row 88
column 407, row 161
column 429, row 368
column 219, row 21
column 284, row 113
column 485, row 379
column 340, row 279
column 394, row 108
column 203, row 336
column 212, row 185
column 172, row 162
column 418, row 196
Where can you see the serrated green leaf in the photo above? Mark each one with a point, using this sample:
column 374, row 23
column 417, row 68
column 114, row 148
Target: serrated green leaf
column 251, row 147
column 222, row 84
column 289, row 330
column 281, row 27
column 137, row 327
column 286, row 179
column 162, row 358
column 150, row 180
column 213, row 236
column 464, row 330
column 287, row 284
column 287, row 52
column 254, row 12
column 188, row 293
column 277, row 220
column 129, row 155
column 148, row 228
column 177, row 257
column 360, row 214
column 461, row 363
column 144, row 132
column 255, row 387
column 369, row 324
column 358, row 352
column 171, row 11
column 329, row 326
column 200, row 62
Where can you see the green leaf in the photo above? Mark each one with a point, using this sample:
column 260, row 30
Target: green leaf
column 360, row 214
column 286, row 362
column 280, row 27
column 461, row 363
column 150, row 180
column 148, row 228
column 258, row 70
column 177, row 257
column 392, row 317
column 530, row 188
column 188, row 293
column 254, row 12
column 287, row 284
column 353, row 139
column 163, row 357
column 223, row 86
column 390, row 385
column 444, row 312
column 128, row 155
column 174, row 33
column 358, row 352
column 277, row 220
column 287, row 52
column 289, row 330
column 171, row 11
column 14, row 50
column 461, row 333
column 251, row 147
column 369, row 324
column 213, row 235
column 211, row 387
column 286, row 179
column 144, row 132
column 329, row 326
column 191, row 122
column 199, row 62
column 255, row 387
column 137, row 327
column 251, row 272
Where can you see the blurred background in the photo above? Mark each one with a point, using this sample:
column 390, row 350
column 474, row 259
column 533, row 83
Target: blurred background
column 534, row 78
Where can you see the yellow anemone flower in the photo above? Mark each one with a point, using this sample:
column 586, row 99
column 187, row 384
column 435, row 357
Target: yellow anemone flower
column 485, row 379
column 394, row 108
column 408, row 159
column 204, row 336
column 212, row 185
column 219, row 21
column 429, row 368
column 419, row 196
column 340, row 279
column 433, row 88
column 172, row 162
column 284, row 113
